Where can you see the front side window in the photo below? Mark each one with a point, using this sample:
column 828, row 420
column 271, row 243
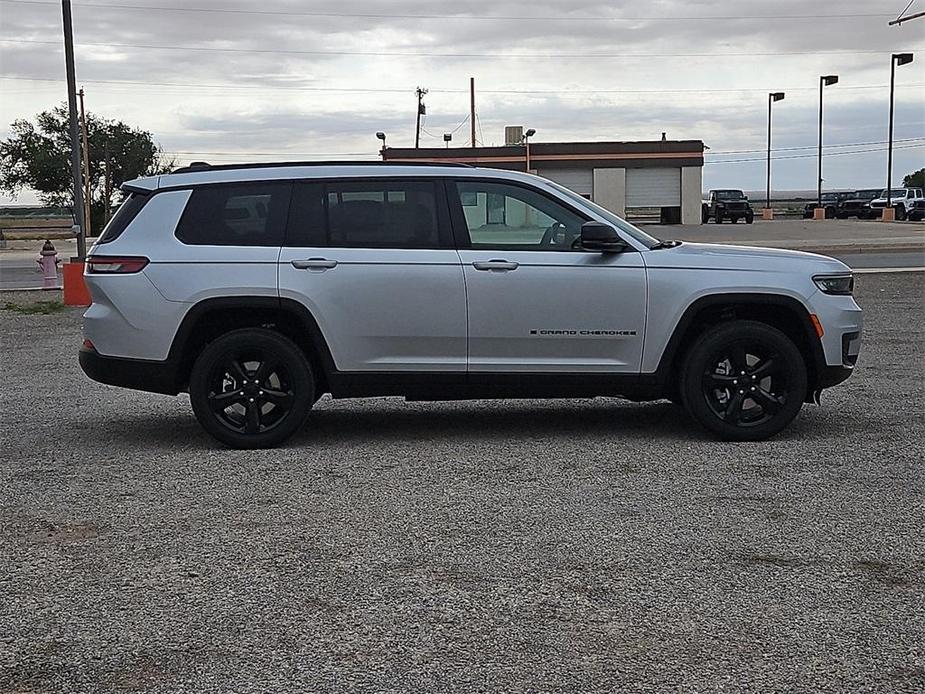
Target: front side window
column 504, row 216
column 382, row 214
column 251, row 214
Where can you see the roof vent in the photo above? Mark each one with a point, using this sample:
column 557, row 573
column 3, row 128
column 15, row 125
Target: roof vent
column 513, row 135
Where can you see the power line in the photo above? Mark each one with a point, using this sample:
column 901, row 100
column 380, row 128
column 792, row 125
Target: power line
column 493, row 56
column 380, row 90
column 519, row 18
column 810, row 156
column 794, row 149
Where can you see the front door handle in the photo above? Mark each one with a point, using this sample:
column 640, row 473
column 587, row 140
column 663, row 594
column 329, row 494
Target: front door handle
column 495, row 264
column 314, row 264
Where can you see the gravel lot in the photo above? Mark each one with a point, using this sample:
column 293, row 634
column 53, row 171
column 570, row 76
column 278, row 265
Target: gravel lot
column 516, row 546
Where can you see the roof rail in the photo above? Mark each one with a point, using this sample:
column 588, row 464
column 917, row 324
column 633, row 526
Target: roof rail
column 205, row 166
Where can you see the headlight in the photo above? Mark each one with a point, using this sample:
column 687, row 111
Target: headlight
column 835, row 284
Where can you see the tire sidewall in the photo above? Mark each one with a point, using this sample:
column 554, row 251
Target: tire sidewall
column 696, row 362
column 300, row 375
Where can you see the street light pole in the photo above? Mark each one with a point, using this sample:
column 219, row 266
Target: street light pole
column 527, row 135
column 772, row 97
column 896, row 59
column 824, row 81
column 74, row 128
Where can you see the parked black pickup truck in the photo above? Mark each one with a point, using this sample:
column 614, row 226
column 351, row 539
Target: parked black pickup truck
column 832, row 202
column 727, row 204
column 858, row 204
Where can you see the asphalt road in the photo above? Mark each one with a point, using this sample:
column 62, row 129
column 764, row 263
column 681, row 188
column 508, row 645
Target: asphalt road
column 582, row 545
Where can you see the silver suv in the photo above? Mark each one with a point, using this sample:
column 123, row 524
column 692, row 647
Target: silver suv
column 259, row 288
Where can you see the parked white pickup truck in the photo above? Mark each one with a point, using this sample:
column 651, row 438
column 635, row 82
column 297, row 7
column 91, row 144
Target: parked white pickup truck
column 902, row 199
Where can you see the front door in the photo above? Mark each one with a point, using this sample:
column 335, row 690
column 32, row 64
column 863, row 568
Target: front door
column 374, row 263
column 538, row 304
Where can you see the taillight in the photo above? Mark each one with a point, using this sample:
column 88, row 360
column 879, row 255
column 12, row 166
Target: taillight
column 115, row 264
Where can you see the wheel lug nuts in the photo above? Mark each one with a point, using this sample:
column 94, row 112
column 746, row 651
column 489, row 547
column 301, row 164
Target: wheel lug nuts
column 252, row 400
column 735, row 381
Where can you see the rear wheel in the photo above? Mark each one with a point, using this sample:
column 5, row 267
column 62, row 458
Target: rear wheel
column 743, row 380
column 251, row 388
column 900, row 212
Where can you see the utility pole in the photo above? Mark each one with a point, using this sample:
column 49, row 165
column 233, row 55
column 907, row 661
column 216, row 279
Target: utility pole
column 472, row 109
column 422, row 109
column 107, row 183
column 75, row 136
column 88, row 227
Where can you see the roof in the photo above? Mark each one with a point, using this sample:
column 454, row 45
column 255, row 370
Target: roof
column 284, row 171
column 640, row 153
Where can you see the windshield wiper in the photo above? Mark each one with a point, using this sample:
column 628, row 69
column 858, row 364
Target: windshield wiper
column 665, row 244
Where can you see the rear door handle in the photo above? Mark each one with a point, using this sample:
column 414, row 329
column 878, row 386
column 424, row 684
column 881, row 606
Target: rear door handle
column 314, row 264
column 495, row 264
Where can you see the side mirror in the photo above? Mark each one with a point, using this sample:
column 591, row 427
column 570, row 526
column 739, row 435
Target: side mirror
column 597, row 236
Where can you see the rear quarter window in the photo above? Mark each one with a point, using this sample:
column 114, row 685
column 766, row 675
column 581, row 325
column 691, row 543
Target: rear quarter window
column 127, row 211
column 250, row 214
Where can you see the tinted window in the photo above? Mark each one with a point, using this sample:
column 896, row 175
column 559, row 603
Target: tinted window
column 307, row 224
column 499, row 215
column 127, row 211
column 252, row 214
column 382, row 214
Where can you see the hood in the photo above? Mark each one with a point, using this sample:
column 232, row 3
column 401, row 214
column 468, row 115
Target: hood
column 721, row 256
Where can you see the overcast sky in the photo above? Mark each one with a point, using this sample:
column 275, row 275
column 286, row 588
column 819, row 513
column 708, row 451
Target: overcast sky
column 287, row 79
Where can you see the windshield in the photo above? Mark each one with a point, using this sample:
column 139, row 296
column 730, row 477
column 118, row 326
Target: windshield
column 867, row 194
column 730, row 195
column 829, row 197
column 618, row 222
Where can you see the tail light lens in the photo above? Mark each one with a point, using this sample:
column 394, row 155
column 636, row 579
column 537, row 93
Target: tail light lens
column 115, row 264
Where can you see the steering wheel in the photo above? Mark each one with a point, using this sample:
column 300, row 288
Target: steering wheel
column 556, row 234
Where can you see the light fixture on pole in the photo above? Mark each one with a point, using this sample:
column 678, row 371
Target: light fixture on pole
column 527, row 135
column 447, row 138
column 772, row 97
column 897, row 59
column 824, row 81
column 381, row 136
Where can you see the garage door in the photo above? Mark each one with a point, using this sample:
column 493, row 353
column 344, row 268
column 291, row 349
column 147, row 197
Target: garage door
column 653, row 187
column 579, row 180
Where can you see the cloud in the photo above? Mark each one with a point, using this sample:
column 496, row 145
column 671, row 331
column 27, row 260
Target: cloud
column 266, row 103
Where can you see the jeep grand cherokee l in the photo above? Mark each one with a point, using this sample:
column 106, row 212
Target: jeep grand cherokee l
column 257, row 289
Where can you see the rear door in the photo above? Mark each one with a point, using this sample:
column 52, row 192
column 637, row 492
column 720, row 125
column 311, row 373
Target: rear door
column 374, row 262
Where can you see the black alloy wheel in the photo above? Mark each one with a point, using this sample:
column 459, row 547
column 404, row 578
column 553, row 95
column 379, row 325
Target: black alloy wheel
column 744, row 380
column 251, row 388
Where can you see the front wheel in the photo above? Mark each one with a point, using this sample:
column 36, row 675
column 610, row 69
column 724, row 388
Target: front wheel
column 743, row 380
column 749, row 218
column 251, row 388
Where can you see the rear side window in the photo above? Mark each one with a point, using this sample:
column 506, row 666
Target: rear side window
column 382, row 214
column 251, row 214
column 127, row 211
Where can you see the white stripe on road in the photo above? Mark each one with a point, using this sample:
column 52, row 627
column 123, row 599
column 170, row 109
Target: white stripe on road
column 884, row 270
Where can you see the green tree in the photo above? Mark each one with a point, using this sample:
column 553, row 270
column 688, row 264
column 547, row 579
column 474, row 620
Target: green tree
column 37, row 156
column 915, row 180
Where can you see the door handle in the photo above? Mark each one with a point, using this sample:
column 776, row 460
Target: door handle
column 495, row 264
column 314, row 264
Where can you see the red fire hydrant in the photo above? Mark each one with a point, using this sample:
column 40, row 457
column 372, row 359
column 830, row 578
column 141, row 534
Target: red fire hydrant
column 48, row 262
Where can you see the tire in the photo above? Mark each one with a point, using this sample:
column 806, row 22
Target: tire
column 900, row 213
column 749, row 218
column 709, row 382
column 241, row 368
column 704, row 215
column 829, row 213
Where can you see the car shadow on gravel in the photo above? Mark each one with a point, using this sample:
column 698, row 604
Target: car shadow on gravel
column 389, row 420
